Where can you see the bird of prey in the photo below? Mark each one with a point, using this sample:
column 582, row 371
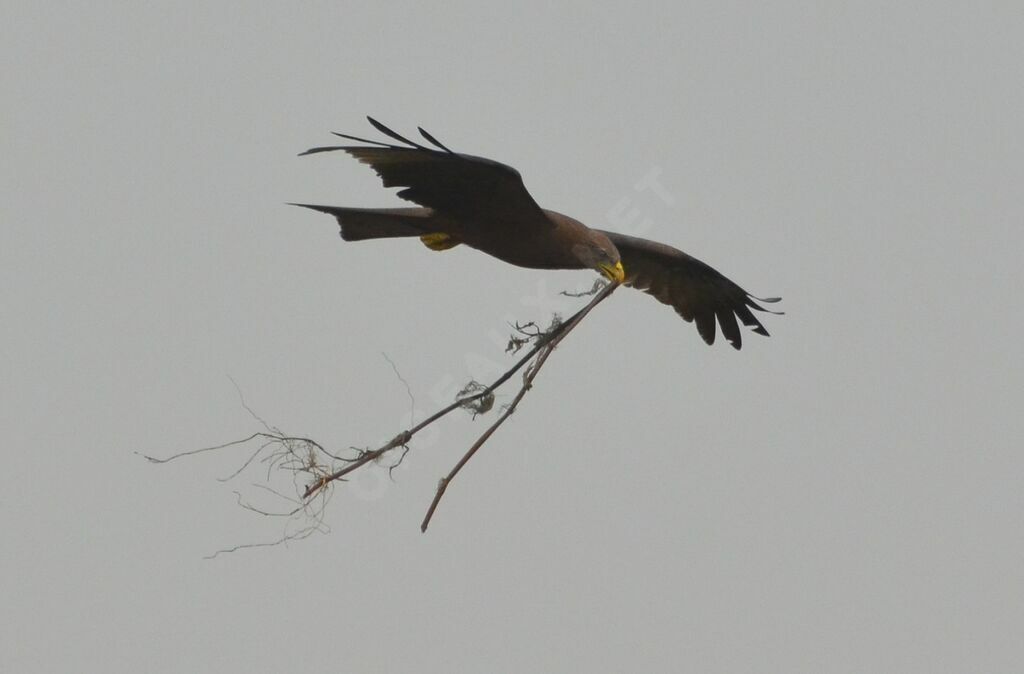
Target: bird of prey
column 483, row 204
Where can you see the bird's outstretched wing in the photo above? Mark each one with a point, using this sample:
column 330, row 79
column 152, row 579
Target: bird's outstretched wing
column 697, row 292
column 460, row 185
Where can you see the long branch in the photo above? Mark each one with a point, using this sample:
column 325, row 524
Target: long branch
column 544, row 344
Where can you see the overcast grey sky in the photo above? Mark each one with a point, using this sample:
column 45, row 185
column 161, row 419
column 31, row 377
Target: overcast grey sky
column 842, row 497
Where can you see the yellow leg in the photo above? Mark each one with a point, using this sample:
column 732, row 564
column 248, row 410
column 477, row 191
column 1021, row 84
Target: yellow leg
column 438, row 241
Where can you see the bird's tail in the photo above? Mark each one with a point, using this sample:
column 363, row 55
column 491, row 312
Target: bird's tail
column 358, row 224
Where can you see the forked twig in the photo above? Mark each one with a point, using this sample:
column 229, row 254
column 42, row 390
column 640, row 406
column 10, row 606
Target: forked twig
column 300, row 456
column 542, row 351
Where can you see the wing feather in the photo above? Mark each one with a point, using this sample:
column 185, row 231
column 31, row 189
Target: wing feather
column 696, row 291
column 459, row 185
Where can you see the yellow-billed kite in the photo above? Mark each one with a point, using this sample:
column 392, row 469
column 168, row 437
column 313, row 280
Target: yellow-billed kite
column 483, row 204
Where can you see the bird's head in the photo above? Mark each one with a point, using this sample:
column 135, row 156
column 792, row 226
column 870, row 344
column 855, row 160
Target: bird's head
column 599, row 253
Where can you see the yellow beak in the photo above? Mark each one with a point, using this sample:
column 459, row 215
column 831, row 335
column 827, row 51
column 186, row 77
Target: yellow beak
column 613, row 272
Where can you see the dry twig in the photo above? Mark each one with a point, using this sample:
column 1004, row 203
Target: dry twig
column 304, row 456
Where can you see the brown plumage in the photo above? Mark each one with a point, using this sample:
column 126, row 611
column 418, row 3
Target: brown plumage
column 481, row 203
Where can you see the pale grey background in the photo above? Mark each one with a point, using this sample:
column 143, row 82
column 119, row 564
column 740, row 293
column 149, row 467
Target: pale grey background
column 842, row 497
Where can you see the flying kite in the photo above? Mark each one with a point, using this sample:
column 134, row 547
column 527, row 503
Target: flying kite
column 483, row 204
